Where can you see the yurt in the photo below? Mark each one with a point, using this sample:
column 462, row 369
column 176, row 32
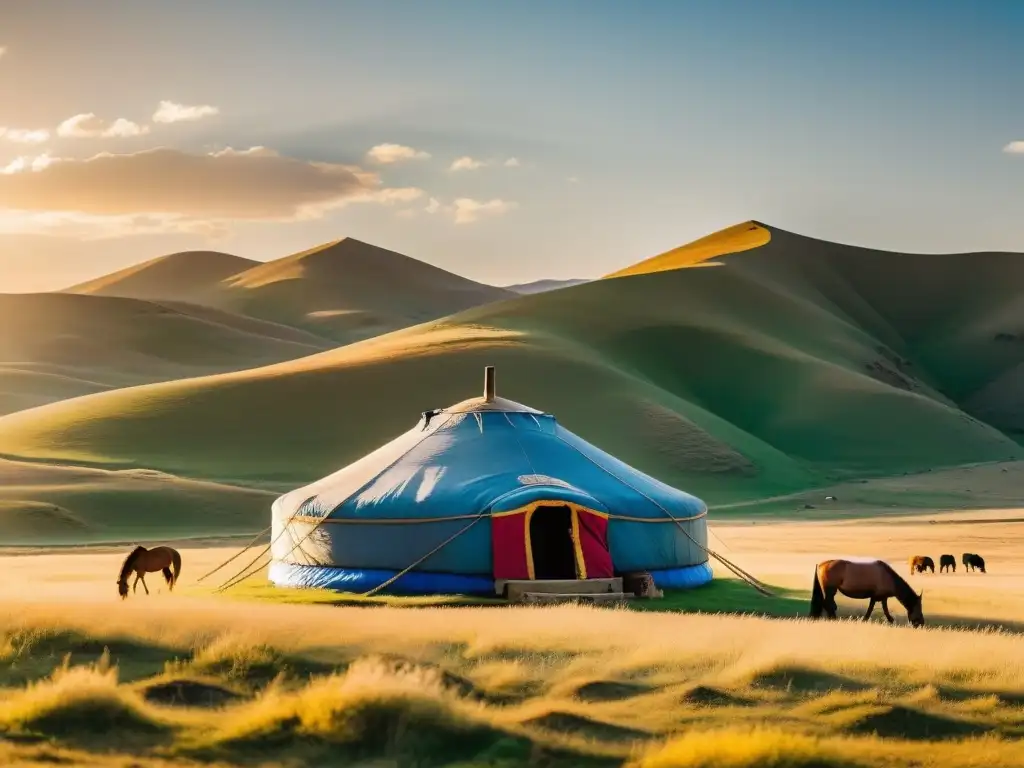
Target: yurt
column 481, row 494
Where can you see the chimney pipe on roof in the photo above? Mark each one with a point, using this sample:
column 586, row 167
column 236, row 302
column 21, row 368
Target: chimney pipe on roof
column 489, row 384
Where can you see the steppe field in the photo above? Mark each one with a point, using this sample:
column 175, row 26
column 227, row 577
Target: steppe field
column 819, row 407
column 260, row 676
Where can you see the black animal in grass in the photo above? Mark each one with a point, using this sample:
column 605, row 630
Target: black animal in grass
column 947, row 561
column 973, row 562
column 921, row 563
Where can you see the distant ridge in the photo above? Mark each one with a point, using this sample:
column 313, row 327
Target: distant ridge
column 342, row 291
column 543, row 286
column 192, row 276
column 734, row 239
column 348, row 290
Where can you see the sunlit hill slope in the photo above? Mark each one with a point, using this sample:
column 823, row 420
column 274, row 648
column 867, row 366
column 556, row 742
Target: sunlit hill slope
column 192, row 276
column 349, row 290
column 56, row 346
column 343, row 291
column 794, row 362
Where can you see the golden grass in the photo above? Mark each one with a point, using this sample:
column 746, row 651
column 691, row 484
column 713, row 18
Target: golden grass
column 739, row 237
column 583, row 685
column 78, row 703
column 768, row 747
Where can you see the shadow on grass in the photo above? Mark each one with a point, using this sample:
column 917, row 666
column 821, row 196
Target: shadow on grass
column 943, row 621
column 900, row 722
column 802, row 680
column 34, row 654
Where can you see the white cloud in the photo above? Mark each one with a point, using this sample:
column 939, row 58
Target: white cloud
column 85, row 227
column 3, row 50
column 398, row 195
column 467, row 163
column 573, row 180
column 1014, row 148
column 172, row 112
column 468, row 210
column 512, row 162
column 25, row 135
column 23, row 163
column 89, row 126
column 386, row 154
column 194, row 190
column 433, row 206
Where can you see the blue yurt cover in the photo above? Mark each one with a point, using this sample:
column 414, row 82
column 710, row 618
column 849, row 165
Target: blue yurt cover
column 492, row 491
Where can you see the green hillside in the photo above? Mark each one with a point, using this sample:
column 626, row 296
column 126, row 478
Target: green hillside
column 48, row 505
column 57, row 346
column 791, row 364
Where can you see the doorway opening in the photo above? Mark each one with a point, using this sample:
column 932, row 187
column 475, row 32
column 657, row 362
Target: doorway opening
column 551, row 543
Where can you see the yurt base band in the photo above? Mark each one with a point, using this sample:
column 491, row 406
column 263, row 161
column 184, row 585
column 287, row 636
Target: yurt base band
column 426, row 583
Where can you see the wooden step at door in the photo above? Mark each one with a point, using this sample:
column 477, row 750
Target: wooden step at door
column 550, row 598
column 513, row 589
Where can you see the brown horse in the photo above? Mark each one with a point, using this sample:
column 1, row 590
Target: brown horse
column 921, row 563
column 874, row 580
column 143, row 561
column 974, row 562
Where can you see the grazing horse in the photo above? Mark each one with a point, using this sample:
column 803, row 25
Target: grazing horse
column 143, row 561
column 921, row 563
column 947, row 561
column 873, row 580
column 972, row 562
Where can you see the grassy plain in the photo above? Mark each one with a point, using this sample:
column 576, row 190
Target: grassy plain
column 688, row 681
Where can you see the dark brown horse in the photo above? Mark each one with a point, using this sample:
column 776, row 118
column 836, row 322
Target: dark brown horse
column 921, row 563
column 972, row 562
column 947, row 561
column 873, row 580
column 143, row 561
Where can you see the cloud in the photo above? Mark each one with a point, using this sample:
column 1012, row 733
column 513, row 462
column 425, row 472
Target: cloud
column 468, row 210
column 386, row 154
column 398, row 195
column 25, row 135
column 467, row 163
column 90, row 228
column 184, row 189
column 433, row 206
column 20, row 164
column 1014, row 148
column 573, row 180
column 3, row 50
column 89, row 126
column 172, row 112
column 512, row 162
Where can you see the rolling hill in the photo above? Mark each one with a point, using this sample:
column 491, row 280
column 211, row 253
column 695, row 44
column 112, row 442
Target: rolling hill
column 734, row 239
column 190, row 276
column 55, row 505
column 57, row 346
column 350, row 290
column 793, row 363
column 342, row 291
column 542, row 286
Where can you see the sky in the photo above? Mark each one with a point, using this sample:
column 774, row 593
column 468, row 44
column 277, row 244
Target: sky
column 505, row 142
